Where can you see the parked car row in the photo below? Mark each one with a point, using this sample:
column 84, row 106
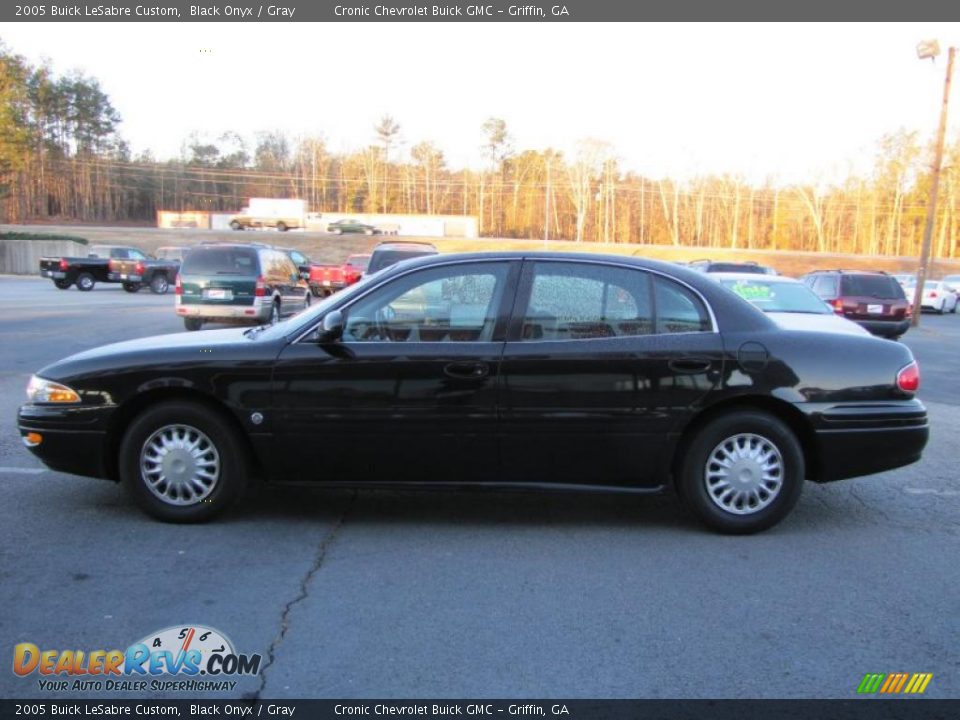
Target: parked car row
column 875, row 301
column 129, row 266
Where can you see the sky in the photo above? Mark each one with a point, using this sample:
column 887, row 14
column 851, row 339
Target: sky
column 793, row 102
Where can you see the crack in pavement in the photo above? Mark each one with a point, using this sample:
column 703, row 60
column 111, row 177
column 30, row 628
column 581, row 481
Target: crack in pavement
column 301, row 596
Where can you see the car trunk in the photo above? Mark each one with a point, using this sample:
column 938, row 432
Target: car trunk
column 218, row 290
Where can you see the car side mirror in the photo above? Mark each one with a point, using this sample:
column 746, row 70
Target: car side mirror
column 332, row 328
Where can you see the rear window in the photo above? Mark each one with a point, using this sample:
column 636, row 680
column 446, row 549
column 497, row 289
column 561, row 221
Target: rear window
column 736, row 267
column 882, row 287
column 221, row 261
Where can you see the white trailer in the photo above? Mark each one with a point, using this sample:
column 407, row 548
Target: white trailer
column 280, row 213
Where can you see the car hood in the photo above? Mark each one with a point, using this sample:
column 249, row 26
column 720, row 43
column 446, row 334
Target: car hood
column 149, row 349
column 816, row 323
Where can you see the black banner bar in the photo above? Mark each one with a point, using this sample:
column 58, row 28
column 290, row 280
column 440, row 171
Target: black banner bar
column 479, row 11
column 859, row 709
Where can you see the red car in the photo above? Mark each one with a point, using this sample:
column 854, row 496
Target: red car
column 327, row 279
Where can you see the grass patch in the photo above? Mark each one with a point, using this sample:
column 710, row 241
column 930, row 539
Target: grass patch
column 40, row 236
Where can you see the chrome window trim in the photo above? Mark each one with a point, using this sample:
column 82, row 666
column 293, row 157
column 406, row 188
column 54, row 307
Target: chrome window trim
column 715, row 328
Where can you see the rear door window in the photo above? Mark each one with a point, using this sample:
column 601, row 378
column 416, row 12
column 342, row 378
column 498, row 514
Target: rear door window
column 579, row 301
column 825, row 286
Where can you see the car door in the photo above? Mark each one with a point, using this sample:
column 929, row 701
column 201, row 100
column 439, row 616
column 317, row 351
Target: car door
column 602, row 365
column 409, row 393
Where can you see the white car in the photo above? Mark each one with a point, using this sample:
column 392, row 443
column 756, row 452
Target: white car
column 939, row 296
column 789, row 303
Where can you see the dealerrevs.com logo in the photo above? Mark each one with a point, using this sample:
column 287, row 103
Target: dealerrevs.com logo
column 200, row 658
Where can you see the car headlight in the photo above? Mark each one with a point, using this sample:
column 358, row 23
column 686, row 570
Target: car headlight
column 40, row 390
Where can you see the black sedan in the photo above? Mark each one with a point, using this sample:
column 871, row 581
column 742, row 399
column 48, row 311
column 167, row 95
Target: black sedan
column 537, row 371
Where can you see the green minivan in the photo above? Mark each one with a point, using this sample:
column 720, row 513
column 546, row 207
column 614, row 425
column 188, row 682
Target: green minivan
column 238, row 284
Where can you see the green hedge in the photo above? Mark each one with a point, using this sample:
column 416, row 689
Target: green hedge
column 40, row 236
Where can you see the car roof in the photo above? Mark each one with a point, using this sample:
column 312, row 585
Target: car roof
column 754, row 277
column 841, row 271
column 403, row 245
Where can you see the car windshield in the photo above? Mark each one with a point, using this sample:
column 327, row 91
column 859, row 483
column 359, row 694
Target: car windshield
column 221, row 261
column 773, row 296
column 882, row 287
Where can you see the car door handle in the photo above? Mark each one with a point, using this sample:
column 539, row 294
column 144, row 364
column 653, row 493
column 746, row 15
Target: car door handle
column 467, row 370
column 690, row 365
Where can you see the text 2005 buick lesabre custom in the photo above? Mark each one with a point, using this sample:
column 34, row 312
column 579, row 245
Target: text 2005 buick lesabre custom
column 541, row 371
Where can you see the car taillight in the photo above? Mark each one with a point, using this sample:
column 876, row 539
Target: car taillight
column 178, row 288
column 908, row 379
column 139, row 268
column 261, row 289
column 64, row 265
column 933, row 293
column 837, row 305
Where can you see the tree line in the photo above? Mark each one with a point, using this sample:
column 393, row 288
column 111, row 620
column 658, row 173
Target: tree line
column 62, row 158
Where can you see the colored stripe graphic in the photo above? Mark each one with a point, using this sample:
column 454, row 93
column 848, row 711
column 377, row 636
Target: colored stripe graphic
column 894, row 683
column 871, row 683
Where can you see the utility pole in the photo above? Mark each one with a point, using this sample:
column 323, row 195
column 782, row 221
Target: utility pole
column 931, row 50
column 546, row 213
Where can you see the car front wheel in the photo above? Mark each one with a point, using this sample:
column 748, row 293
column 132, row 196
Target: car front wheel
column 742, row 473
column 181, row 462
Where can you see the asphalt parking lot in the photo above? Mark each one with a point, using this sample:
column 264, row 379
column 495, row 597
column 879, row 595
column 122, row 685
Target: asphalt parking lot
column 481, row 595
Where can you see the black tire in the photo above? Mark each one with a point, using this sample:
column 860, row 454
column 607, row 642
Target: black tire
column 282, row 227
column 191, row 421
column 192, row 323
column 750, row 430
column 62, row 284
column 131, row 287
column 85, row 282
column 317, row 292
column 234, row 225
column 159, row 284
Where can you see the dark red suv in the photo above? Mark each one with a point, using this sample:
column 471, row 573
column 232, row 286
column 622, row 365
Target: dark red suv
column 874, row 300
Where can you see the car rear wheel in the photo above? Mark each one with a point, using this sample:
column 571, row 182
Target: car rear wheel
column 236, row 226
column 338, row 231
column 742, row 472
column 62, row 284
column 368, row 232
column 131, row 287
column 159, row 285
column 85, row 282
column 192, row 323
column 282, row 227
column 181, row 462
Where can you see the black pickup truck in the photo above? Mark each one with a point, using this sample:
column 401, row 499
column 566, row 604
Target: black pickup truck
column 111, row 264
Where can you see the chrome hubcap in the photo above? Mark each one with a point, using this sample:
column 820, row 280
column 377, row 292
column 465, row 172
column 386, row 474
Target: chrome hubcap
column 744, row 474
column 180, row 465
